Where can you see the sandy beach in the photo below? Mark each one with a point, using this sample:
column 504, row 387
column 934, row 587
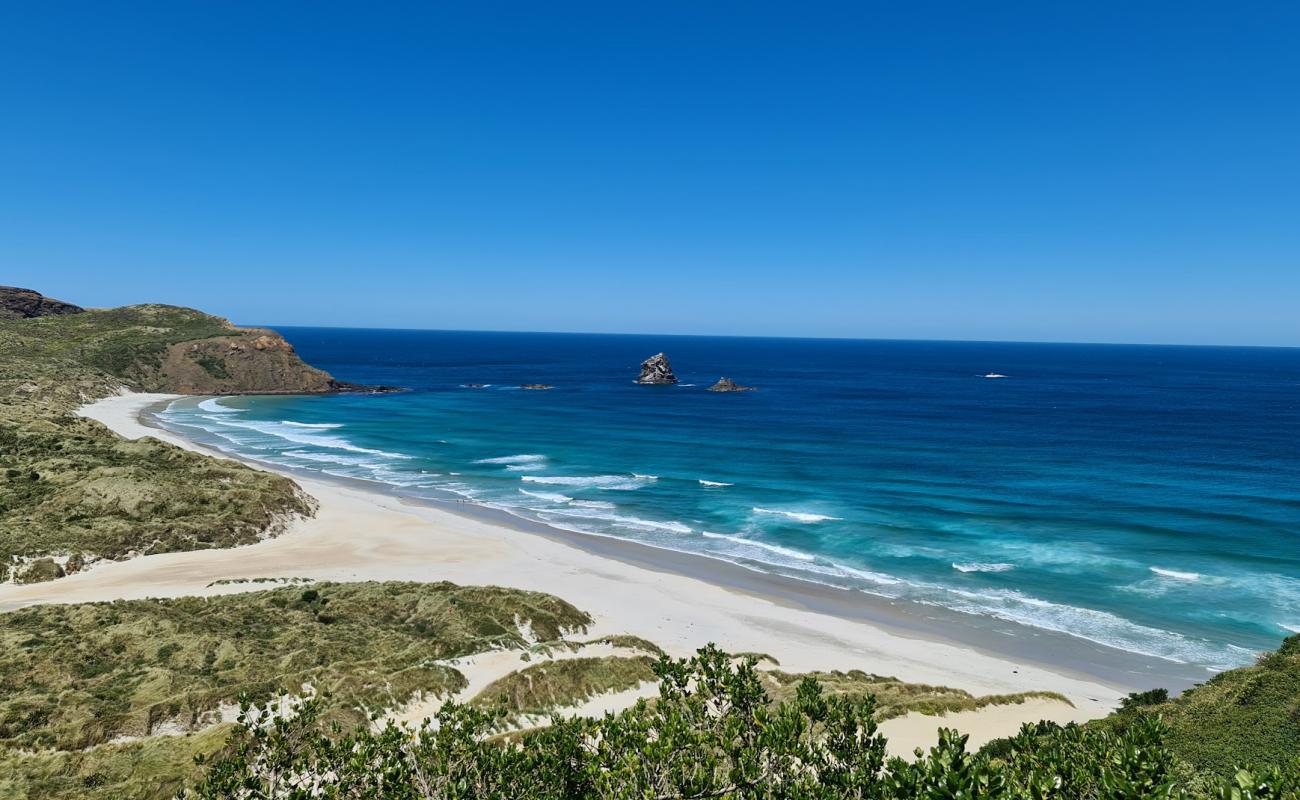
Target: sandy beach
column 367, row 535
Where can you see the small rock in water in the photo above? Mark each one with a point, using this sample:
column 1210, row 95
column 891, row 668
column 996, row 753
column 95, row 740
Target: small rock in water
column 656, row 371
column 728, row 385
column 536, row 386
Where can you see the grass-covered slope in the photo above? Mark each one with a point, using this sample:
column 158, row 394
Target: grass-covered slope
column 74, row 676
column 1245, row 716
column 71, row 491
column 894, row 697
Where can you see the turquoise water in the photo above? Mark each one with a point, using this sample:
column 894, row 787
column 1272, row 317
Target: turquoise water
column 1145, row 498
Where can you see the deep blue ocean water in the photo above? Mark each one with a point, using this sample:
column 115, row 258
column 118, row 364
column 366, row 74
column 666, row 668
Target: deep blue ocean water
column 1142, row 497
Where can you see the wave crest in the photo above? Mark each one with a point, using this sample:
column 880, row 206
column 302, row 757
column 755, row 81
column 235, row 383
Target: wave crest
column 798, row 516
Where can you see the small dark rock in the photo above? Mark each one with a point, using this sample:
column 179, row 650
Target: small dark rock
column 728, row 385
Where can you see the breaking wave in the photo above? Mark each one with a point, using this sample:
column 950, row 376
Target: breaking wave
column 785, row 551
column 609, row 482
column 982, row 567
column 797, row 516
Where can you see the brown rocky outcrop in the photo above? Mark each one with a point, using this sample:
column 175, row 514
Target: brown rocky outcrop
column 728, row 385
column 18, row 303
column 258, row 362
column 656, row 371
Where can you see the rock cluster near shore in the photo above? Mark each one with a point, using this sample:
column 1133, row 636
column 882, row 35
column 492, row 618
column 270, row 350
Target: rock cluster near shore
column 728, row 385
column 656, row 371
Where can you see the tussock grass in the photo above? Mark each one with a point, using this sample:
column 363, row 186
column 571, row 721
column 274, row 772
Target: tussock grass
column 537, row 689
column 894, row 697
column 70, row 488
column 75, row 676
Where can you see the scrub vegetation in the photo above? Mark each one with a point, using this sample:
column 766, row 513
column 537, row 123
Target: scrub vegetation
column 72, row 492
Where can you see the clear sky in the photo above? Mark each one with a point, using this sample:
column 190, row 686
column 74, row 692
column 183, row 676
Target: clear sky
column 1088, row 171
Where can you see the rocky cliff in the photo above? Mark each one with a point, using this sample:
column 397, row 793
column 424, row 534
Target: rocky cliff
column 656, row 370
column 156, row 348
column 250, row 361
column 18, row 303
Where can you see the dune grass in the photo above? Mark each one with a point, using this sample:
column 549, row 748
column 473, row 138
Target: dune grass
column 71, row 491
column 76, row 676
column 537, row 689
column 894, row 697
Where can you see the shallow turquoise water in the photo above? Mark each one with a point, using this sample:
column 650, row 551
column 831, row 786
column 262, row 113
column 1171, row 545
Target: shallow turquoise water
column 1146, row 498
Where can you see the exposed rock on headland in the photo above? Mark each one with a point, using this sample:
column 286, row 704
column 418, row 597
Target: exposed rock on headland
column 18, row 303
column 728, row 385
column 656, row 371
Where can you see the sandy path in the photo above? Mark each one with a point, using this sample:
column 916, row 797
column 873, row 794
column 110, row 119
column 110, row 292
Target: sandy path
column 359, row 535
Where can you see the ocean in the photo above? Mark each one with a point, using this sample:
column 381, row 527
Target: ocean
column 1145, row 498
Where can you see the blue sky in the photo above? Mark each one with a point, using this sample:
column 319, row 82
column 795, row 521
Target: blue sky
column 1084, row 171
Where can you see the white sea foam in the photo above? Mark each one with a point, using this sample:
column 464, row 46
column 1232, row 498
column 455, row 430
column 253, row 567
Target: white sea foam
column 1287, row 626
column 211, row 405
column 867, row 575
column 550, row 497
column 798, row 516
column 622, row 520
column 524, row 467
column 1176, row 575
column 297, row 435
column 1096, row 626
column 995, row 375
column 324, row 426
column 976, row 566
column 522, row 458
column 334, row 458
column 610, row 482
column 714, row 483
column 785, row 551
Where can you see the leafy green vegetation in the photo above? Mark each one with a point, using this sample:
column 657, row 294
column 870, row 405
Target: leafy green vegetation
column 713, row 732
column 1246, row 716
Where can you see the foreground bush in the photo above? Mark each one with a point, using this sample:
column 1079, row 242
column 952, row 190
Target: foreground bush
column 712, row 733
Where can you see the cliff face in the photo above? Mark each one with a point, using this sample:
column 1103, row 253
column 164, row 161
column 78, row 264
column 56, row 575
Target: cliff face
column 18, row 303
column 156, row 348
column 253, row 361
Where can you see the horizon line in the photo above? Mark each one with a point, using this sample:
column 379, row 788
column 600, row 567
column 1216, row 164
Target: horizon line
column 783, row 337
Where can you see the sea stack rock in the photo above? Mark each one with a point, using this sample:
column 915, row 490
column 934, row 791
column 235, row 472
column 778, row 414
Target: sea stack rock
column 656, row 371
column 728, row 385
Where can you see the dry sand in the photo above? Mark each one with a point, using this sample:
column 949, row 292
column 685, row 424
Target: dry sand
column 362, row 535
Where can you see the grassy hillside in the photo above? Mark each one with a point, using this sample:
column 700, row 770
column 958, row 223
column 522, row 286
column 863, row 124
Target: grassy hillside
column 1243, row 716
column 72, row 492
column 75, row 676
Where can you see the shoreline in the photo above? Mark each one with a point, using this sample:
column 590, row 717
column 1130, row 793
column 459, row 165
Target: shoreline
column 679, row 601
column 1052, row 650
